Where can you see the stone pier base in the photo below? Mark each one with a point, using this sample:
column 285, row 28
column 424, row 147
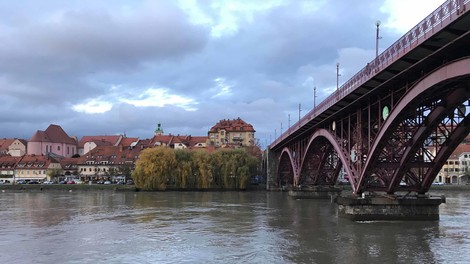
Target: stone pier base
column 370, row 208
column 315, row 192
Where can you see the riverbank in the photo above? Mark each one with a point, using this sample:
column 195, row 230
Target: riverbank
column 103, row 187
column 132, row 188
column 68, row 187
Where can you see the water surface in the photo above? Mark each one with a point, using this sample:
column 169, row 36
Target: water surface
column 217, row 227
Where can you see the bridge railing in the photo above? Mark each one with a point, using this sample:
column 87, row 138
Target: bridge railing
column 433, row 23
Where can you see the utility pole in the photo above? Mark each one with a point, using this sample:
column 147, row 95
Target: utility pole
column 281, row 128
column 300, row 110
column 289, row 119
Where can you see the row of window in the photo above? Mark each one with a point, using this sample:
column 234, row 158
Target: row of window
column 49, row 149
column 454, row 169
column 93, row 169
column 31, row 172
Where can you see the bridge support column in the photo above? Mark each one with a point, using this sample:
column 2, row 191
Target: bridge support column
column 271, row 172
column 315, row 192
column 369, row 208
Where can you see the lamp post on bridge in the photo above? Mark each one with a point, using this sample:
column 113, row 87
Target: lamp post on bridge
column 314, row 96
column 377, row 37
column 337, row 76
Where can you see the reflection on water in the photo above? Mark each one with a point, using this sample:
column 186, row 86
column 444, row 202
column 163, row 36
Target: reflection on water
column 217, row 227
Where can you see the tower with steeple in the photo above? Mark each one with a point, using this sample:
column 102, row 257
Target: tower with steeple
column 159, row 130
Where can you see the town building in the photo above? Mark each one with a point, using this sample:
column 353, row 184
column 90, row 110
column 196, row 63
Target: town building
column 456, row 170
column 109, row 162
column 13, row 146
column 177, row 141
column 52, row 140
column 88, row 143
column 7, row 168
column 18, row 147
column 235, row 132
column 36, row 168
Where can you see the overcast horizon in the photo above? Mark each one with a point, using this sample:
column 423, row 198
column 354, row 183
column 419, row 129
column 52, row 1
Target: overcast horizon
column 120, row 67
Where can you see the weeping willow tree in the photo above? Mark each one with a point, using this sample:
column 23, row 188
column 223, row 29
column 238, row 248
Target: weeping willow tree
column 232, row 168
column 202, row 168
column 184, row 169
column 155, row 168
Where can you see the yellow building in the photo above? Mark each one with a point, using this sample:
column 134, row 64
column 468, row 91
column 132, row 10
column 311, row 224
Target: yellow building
column 234, row 132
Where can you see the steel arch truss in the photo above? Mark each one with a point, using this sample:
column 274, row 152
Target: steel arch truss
column 286, row 170
column 421, row 132
column 322, row 160
column 401, row 150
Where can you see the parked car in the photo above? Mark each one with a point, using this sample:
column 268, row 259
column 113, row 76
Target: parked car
column 33, row 182
column 21, row 182
column 71, row 182
column 48, row 182
column 107, row 182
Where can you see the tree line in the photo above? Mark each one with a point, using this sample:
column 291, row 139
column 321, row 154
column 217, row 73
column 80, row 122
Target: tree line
column 163, row 168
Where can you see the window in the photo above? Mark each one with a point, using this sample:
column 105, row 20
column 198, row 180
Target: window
column 58, row 147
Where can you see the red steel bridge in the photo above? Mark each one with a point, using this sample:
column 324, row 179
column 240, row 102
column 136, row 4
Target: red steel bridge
column 392, row 126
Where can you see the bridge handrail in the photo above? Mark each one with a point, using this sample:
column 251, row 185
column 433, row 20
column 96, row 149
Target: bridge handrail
column 438, row 19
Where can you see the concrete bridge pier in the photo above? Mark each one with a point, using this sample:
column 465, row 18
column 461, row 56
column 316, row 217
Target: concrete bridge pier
column 315, row 192
column 389, row 207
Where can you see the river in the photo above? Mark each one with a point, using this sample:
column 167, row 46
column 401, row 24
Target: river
column 217, row 227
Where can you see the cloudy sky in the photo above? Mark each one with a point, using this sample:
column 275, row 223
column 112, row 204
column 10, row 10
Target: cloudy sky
column 122, row 66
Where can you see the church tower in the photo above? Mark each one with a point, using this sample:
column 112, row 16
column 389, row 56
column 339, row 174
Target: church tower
column 159, row 130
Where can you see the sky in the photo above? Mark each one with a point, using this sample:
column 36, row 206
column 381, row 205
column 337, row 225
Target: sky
column 122, row 66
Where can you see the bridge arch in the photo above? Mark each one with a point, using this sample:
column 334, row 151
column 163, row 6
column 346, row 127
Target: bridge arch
column 286, row 168
column 327, row 137
column 452, row 81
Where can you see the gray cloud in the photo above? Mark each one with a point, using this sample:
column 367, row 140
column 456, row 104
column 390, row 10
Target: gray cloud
column 55, row 55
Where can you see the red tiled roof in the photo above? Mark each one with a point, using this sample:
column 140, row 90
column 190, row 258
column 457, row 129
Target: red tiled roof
column 53, row 133
column 127, row 142
column 170, row 140
column 231, row 125
column 35, row 162
column 164, row 139
column 461, row 148
column 5, row 143
column 112, row 140
column 112, row 154
column 8, row 162
column 40, row 136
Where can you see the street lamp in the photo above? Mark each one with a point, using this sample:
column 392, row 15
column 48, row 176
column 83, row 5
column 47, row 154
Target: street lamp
column 377, row 37
column 337, row 76
column 314, row 97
